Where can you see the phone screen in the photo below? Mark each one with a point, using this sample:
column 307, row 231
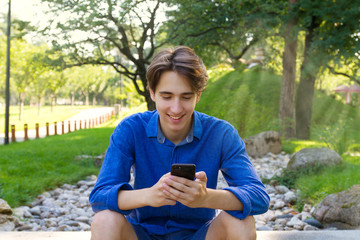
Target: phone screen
column 183, row 170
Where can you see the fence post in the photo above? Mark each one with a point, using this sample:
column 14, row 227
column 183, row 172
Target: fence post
column 75, row 125
column 47, row 129
column 25, row 132
column 37, row 130
column 13, row 139
column 62, row 127
column 69, row 130
column 55, row 128
column 80, row 125
column 85, row 124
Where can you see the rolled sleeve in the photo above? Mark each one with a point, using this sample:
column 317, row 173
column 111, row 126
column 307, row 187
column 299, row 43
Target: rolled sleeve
column 112, row 198
column 244, row 199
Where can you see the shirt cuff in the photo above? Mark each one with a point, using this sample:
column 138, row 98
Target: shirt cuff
column 112, row 200
column 244, row 199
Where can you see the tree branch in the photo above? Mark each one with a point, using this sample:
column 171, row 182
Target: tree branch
column 333, row 71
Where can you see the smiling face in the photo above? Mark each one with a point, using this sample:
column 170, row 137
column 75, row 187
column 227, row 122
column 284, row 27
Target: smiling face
column 175, row 102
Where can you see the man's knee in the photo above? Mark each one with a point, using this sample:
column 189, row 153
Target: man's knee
column 108, row 218
column 111, row 225
column 236, row 227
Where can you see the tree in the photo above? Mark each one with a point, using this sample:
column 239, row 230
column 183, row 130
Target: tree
column 122, row 34
column 287, row 98
column 331, row 35
column 219, row 30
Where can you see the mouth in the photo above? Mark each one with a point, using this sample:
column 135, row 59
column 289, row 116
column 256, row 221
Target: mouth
column 175, row 117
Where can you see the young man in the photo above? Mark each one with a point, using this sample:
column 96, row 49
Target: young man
column 163, row 206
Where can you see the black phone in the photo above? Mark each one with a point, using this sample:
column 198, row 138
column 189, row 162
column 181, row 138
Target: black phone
column 184, row 170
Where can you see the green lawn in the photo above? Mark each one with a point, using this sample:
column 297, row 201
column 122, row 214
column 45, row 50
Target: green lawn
column 30, row 115
column 29, row 168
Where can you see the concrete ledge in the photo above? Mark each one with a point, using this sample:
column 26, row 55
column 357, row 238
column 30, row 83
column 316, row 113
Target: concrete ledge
column 261, row 235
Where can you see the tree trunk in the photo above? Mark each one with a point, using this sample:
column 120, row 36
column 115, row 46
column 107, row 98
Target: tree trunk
column 150, row 103
column 87, row 98
column 39, row 105
column 21, row 97
column 287, row 99
column 72, row 99
column 52, row 102
column 305, row 91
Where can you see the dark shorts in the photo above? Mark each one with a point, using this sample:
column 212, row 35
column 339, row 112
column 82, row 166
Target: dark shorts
column 180, row 235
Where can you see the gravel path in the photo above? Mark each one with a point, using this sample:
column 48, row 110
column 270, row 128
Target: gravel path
column 67, row 208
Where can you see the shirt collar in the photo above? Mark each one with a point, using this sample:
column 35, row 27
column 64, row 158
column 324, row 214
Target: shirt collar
column 153, row 129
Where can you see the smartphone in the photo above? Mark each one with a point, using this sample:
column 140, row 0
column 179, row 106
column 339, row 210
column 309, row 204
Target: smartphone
column 183, row 170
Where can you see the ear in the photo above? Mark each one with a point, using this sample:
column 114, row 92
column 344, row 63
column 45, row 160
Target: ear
column 198, row 96
column 152, row 94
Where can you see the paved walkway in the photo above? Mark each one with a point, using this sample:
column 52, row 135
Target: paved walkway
column 261, row 235
column 85, row 114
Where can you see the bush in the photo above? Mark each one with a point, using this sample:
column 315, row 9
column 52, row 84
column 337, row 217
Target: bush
column 289, row 177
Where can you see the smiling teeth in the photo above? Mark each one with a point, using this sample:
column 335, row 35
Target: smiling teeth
column 176, row 118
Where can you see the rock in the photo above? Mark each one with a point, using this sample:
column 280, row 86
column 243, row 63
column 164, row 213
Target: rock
column 281, row 189
column 262, row 143
column 290, row 197
column 35, row 211
column 279, row 204
column 310, row 228
column 313, row 156
column 22, row 212
column 342, row 208
column 5, row 208
column 313, row 222
column 6, row 223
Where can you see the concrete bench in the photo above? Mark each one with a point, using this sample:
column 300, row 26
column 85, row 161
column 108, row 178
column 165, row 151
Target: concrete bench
column 261, row 235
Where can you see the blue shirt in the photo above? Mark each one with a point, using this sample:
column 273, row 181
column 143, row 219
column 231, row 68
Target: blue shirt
column 212, row 145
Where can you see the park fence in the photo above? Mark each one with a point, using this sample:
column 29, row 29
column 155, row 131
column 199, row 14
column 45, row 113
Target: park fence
column 59, row 128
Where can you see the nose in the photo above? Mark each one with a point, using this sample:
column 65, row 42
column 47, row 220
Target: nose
column 176, row 106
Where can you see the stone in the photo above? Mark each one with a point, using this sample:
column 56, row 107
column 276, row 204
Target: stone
column 22, row 212
column 4, row 207
column 35, row 211
column 340, row 209
column 7, row 223
column 262, row 143
column 310, row 228
column 290, row 197
column 281, row 189
column 313, row 222
column 312, row 156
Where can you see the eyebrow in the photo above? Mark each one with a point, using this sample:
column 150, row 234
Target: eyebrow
column 185, row 93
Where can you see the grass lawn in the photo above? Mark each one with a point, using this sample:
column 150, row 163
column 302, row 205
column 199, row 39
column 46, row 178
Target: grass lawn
column 30, row 115
column 29, row 168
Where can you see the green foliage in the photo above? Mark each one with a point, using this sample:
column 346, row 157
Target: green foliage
column 248, row 100
column 221, row 30
column 335, row 123
column 291, row 146
column 289, row 177
column 354, row 148
column 29, row 168
column 315, row 187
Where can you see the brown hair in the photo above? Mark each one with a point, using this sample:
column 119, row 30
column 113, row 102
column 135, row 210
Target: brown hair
column 181, row 60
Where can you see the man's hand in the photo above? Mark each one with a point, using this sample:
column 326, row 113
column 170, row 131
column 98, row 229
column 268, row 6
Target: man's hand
column 190, row 193
column 157, row 196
